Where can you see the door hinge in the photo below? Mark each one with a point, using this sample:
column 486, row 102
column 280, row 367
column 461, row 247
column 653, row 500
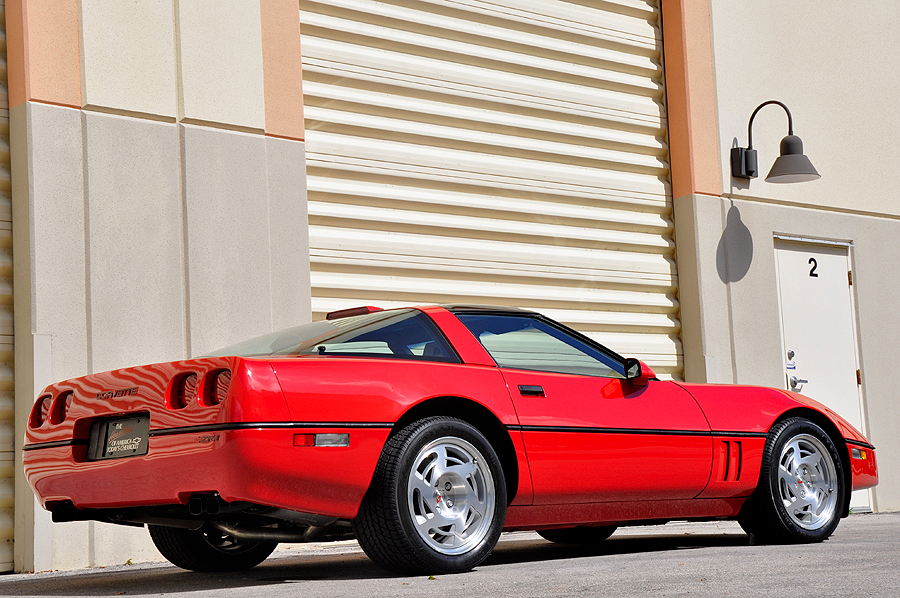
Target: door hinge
column 858, row 378
column 850, row 277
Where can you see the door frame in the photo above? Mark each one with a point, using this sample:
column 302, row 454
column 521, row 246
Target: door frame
column 781, row 240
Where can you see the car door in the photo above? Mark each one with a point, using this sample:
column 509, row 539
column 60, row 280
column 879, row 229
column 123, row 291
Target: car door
column 590, row 435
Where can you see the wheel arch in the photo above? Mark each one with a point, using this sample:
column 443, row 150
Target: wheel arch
column 829, row 427
column 481, row 418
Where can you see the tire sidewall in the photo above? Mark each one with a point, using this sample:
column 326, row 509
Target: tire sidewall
column 192, row 550
column 427, row 433
column 791, row 430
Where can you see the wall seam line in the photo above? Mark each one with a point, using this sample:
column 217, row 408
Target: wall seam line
column 724, row 216
column 88, row 323
column 89, row 329
column 792, row 204
column 185, row 250
column 83, row 58
column 179, row 82
column 269, row 234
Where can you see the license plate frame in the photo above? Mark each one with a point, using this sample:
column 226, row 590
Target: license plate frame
column 119, row 437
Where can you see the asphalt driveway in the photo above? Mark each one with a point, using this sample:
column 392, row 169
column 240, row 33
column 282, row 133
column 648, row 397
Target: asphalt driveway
column 862, row 558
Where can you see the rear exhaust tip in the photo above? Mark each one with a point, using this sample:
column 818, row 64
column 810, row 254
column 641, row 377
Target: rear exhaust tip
column 212, row 505
column 195, row 505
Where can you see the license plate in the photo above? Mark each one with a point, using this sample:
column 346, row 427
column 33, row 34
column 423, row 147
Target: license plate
column 120, row 437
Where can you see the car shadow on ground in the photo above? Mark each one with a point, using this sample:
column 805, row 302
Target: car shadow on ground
column 535, row 550
column 346, row 565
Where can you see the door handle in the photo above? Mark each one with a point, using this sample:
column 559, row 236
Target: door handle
column 795, row 381
column 527, row 390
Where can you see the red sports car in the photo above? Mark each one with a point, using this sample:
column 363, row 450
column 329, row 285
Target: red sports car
column 424, row 433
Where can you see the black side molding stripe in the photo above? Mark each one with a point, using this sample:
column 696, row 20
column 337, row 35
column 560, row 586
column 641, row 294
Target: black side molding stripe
column 223, row 428
column 739, row 434
column 54, row 444
column 729, row 434
column 268, row 426
column 586, row 430
column 858, row 443
column 640, row 431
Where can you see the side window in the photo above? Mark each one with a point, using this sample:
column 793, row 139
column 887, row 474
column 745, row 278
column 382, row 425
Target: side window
column 526, row 343
column 407, row 334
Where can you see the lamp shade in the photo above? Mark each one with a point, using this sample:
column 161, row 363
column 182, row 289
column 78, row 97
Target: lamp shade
column 792, row 166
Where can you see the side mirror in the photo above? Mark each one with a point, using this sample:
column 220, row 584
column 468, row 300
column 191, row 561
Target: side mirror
column 632, row 369
column 637, row 373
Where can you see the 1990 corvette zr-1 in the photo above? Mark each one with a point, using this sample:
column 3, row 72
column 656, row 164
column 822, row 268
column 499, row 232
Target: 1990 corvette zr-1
column 424, row 433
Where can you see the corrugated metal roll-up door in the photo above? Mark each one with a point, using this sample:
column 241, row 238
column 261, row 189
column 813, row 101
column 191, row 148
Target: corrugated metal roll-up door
column 505, row 152
column 7, row 406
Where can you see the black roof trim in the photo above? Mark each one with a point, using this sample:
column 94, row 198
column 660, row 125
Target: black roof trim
column 464, row 308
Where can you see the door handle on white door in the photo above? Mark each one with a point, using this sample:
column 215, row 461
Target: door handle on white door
column 795, row 381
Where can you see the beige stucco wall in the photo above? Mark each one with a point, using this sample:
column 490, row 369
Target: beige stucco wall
column 129, row 57
column 159, row 204
column 831, row 64
column 827, row 64
column 214, row 38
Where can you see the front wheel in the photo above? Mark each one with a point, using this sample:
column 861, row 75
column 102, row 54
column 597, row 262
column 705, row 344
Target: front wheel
column 208, row 549
column 801, row 489
column 437, row 501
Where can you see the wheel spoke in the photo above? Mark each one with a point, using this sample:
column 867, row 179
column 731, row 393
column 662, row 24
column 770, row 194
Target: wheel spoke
column 804, row 503
column 786, row 476
column 463, row 470
column 435, row 523
column 440, row 463
column 795, row 451
column 425, row 488
column 478, row 503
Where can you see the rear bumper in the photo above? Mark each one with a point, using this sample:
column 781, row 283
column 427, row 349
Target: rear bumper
column 260, row 466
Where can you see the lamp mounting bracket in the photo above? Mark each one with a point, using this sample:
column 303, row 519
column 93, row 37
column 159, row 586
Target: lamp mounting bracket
column 758, row 108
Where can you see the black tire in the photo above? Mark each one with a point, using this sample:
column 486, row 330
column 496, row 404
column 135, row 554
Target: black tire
column 577, row 535
column 801, row 489
column 438, row 474
column 208, row 549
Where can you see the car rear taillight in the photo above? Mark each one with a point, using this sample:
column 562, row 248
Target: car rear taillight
column 61, row 408
column 219, row 387
column 185, row 391
column 40, row 411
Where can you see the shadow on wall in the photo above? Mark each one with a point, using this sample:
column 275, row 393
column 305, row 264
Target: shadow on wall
column 735, row 251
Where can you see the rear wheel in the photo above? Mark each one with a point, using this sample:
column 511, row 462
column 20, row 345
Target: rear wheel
column 208, row 549
column 801, row 488
column 577, row 535
column 437, row 501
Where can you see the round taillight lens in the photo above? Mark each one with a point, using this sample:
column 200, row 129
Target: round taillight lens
column 186, row 391
column 61, row 408
column 40, row 411
column 219, row 389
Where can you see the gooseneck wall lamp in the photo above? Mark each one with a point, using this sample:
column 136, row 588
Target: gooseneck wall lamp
column 790, row 167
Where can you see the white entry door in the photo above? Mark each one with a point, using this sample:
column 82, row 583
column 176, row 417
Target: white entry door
column 819, row 331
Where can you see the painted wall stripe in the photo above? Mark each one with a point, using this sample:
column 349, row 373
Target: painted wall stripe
column 282, row 70
column 44, row 52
